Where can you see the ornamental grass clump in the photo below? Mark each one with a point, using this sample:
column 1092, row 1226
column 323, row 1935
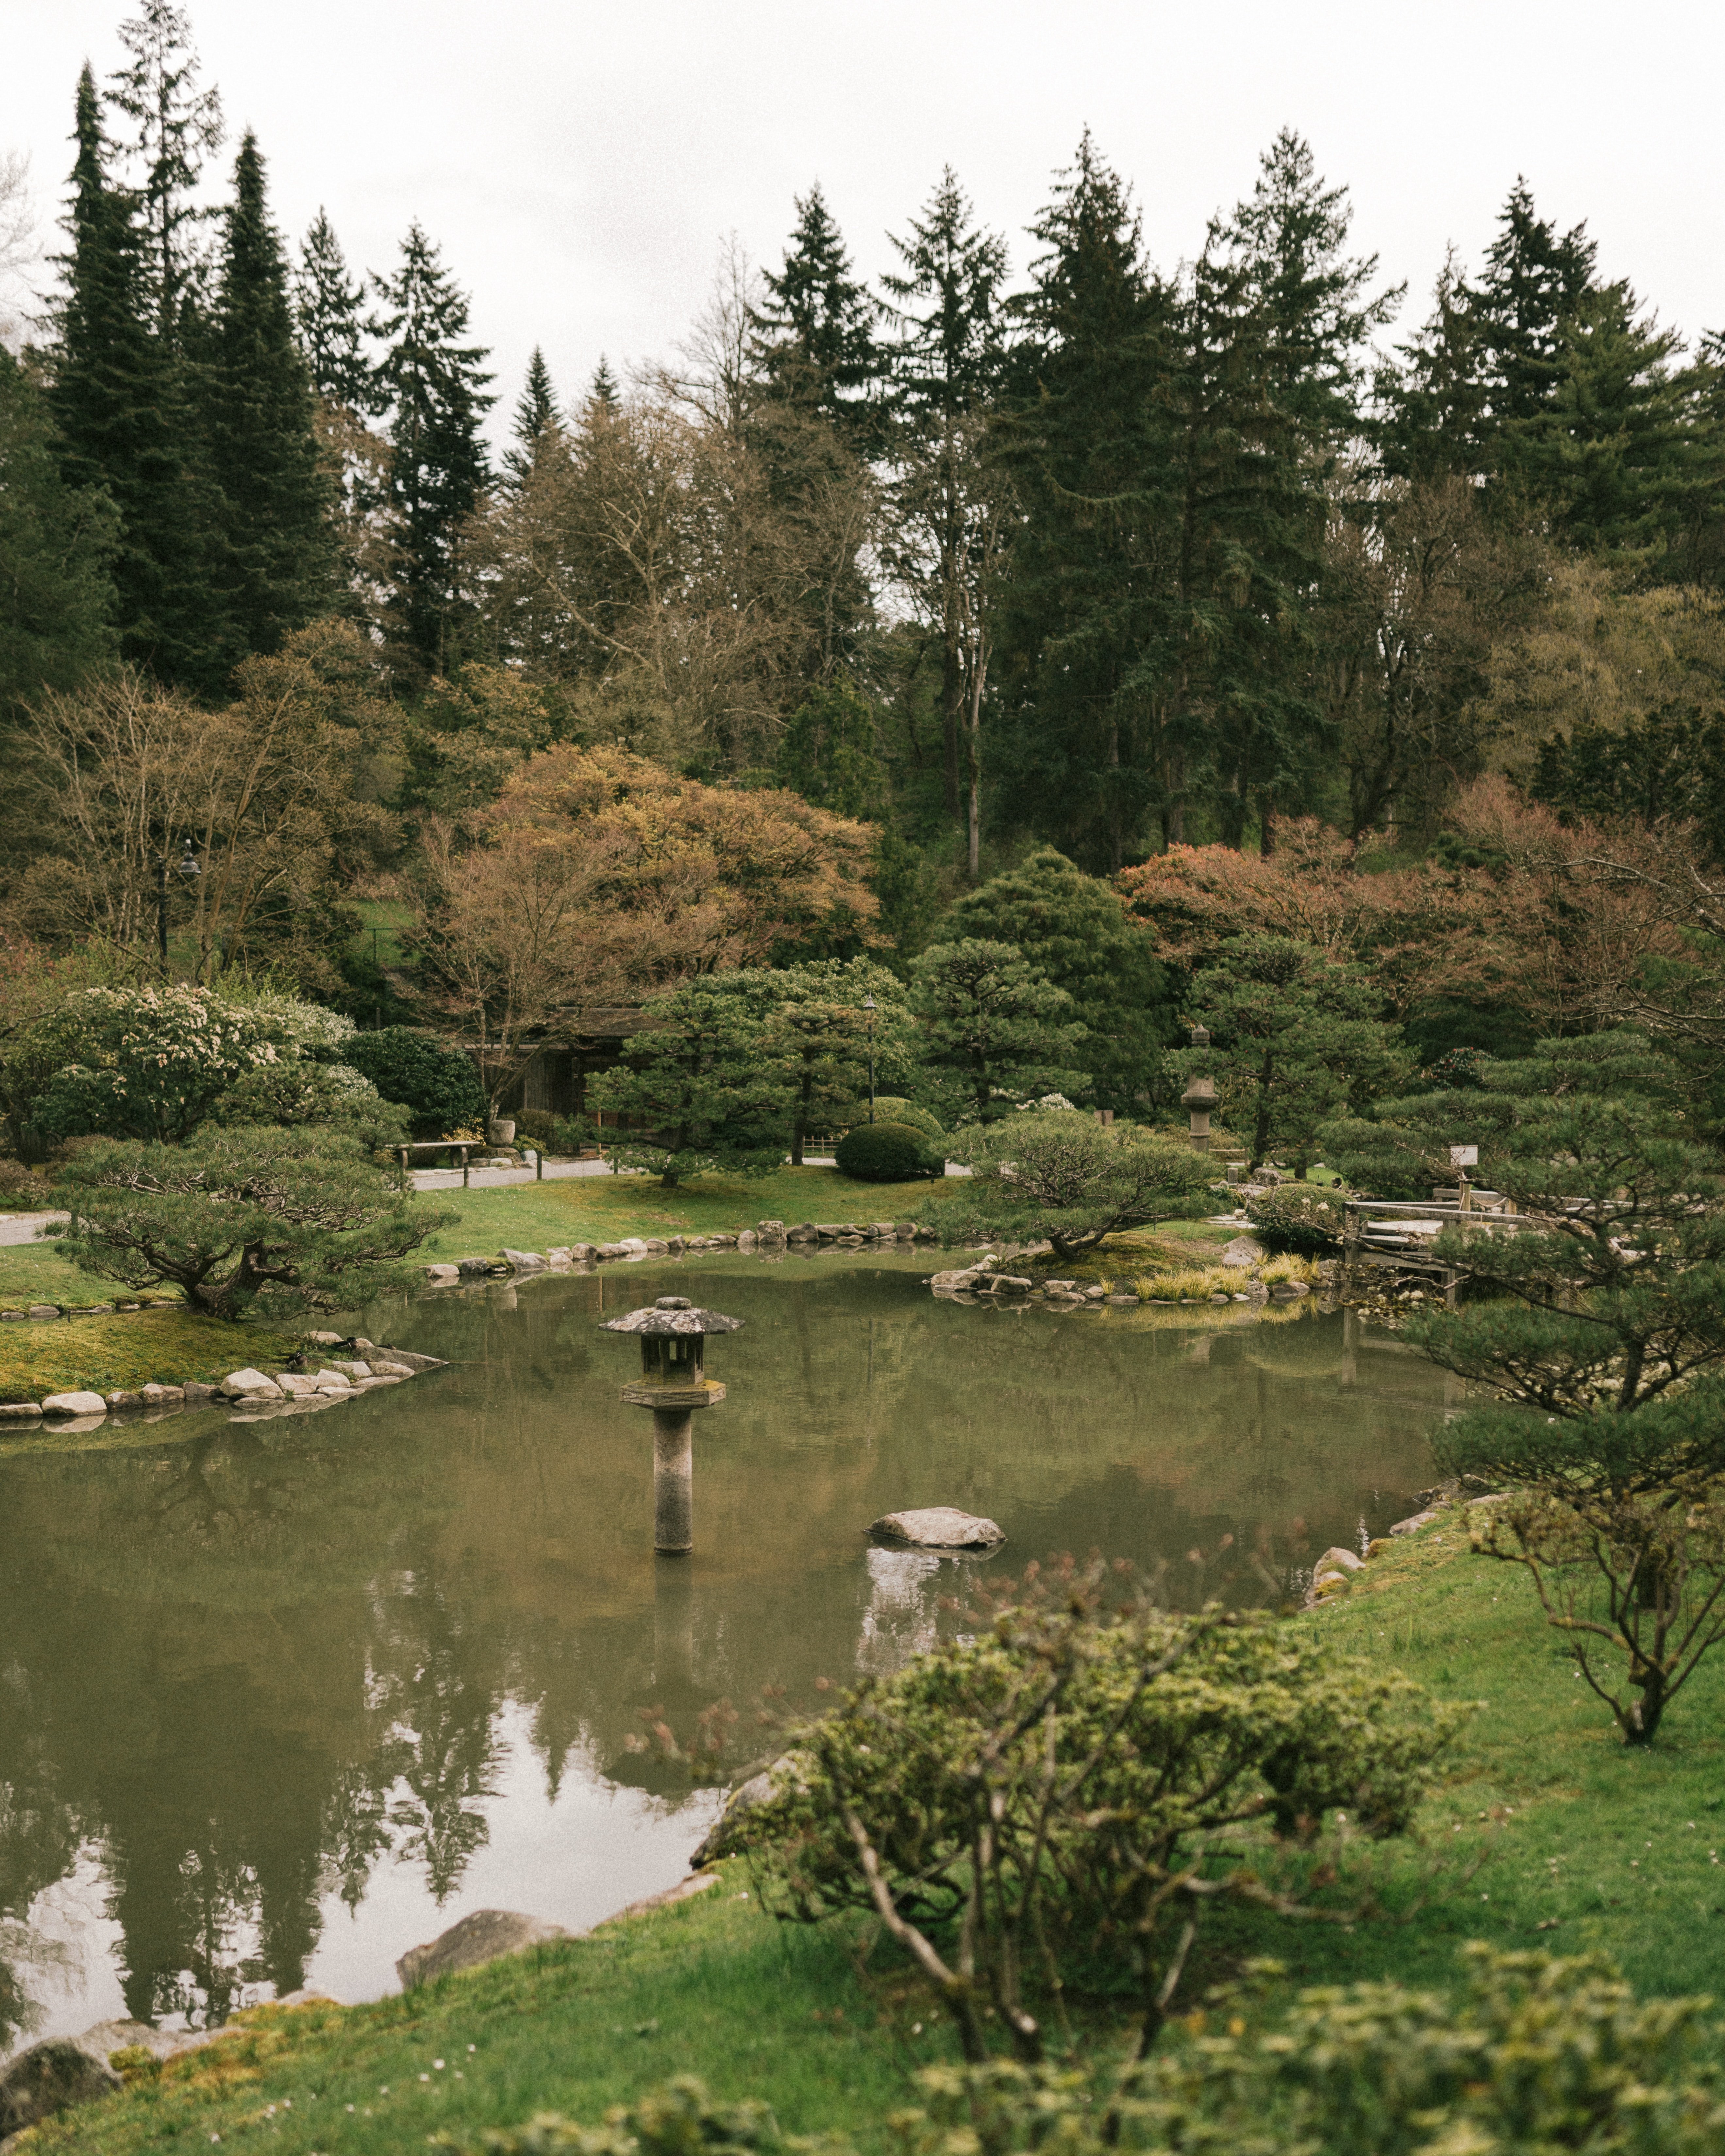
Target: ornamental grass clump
column 1085, row 1775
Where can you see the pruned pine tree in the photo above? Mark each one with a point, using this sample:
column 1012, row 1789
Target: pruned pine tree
column 434, row 381
column 944, row 366
column 271, row 562
column 330, row 311
column 174, row 127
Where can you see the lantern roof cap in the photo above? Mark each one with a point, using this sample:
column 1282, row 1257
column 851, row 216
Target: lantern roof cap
column 673, row 1314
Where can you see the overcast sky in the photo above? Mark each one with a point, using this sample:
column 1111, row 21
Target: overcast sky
column 579, row 162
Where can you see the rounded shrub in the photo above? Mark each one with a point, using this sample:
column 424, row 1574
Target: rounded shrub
column 438, row 1086
column 1295, row 1216
column 888, row 1153
column 889, row 1109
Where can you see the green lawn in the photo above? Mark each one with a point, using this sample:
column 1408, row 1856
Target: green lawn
column 1546, row 1833
column 605, row 1209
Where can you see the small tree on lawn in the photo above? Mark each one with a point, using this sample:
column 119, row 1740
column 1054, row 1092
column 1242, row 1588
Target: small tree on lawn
column 1603, row 1341
column 812, row 1020
column 996, row 1030
column 1294, row 1037
column 701, row 1089
column 239, row 1216
column 1062, row 1175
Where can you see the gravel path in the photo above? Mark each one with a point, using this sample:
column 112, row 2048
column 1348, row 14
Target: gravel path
column 26, row 1227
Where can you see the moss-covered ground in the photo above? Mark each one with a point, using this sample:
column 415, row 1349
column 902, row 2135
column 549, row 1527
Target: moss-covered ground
column 1546, row 1832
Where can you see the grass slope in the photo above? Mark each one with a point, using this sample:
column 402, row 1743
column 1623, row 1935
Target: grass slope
column 1546, row 1833
column 712, row 1987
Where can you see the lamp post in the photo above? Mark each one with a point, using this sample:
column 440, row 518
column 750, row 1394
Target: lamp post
column 186, row 865
column 673, row 1383
column 869, row 1006
column 1199, row 1096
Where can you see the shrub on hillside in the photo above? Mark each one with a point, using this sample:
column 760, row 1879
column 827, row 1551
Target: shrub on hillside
column 1538, row 2055
column 21, row 1186
column 438, row 1086
column 1091, row 1775
column 1294, row 1216
column 888, row 1153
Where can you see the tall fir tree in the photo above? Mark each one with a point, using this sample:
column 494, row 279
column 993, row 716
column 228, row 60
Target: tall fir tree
column 1535, row 279
column 944, row 366
column 435, row 382
column 272, row 565
column 1285, row 313
column 56, row 542
column 535, row 411
column 815, row 332
column 604, row 394
column 174, row 125
column 123, row 420
column 1620, row 455
column 1092, row 445
column 330, row 315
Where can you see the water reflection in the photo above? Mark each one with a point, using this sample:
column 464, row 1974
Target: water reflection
column 278, row 1698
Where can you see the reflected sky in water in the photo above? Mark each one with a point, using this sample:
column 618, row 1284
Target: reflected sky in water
column 281, row 1698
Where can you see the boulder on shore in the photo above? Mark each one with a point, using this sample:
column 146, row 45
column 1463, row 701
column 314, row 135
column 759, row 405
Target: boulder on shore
column 248, row 1385
column 938, row 1527
column 50, row 2077
column 1244, row 1251
column 74, row 1403
column 485, row 1936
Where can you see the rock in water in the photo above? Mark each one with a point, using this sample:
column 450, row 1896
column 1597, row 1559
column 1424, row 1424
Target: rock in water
column 74, row 1403
column 939, row 1527
column 50, row 2077
column 485, row 1936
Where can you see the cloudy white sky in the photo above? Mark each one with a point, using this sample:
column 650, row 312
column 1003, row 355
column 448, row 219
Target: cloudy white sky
column 579, row 161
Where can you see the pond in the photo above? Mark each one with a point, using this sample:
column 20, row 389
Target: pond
column 280, row 1699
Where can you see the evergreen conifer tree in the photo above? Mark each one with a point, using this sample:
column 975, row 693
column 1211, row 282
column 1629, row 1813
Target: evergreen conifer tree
column 272, row 565
column 1073, row 928
column 1535, row 279
column 332, row 324
column 56, row 595
column 943, row 368
column 536, row 410
column 814, row 334
column 604, row 395
column 435, row 383
column 123, row 418
column 1092, row 445
column 174, row 125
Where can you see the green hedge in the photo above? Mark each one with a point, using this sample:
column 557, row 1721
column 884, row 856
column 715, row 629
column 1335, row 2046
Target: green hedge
column 888, row 1153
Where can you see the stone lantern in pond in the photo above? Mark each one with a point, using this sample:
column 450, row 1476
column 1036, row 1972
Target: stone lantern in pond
column 1199, row 1097
column 674, row 1383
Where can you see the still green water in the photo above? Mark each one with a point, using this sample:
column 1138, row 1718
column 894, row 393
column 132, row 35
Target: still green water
column 280, row 1699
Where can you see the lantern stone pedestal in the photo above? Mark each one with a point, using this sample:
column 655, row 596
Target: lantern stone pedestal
column 673, row 1385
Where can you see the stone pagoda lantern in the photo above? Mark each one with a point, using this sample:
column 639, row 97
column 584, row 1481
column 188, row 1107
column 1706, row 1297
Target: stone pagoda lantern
column 1199, row 1096
column 674, row 1383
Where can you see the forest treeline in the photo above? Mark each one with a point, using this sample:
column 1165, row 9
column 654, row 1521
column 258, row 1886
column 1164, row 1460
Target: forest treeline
column 1102, row 554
